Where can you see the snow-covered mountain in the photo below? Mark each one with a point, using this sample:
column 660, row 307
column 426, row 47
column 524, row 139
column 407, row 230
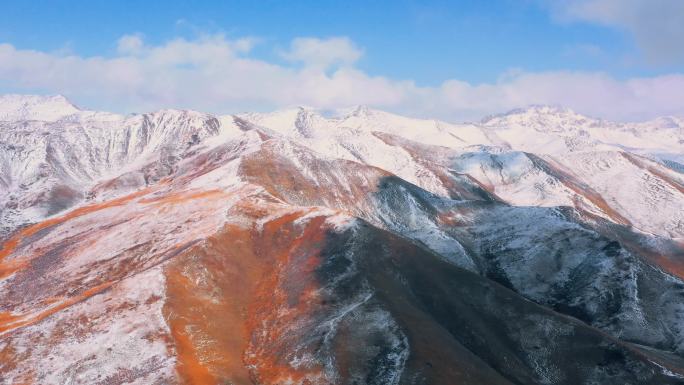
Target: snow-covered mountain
column 535, row 247
column 33, row 107
column 540, row 156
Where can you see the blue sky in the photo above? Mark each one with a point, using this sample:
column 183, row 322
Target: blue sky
column 424, row 53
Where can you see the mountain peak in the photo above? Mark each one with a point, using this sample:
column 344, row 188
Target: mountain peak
column 534, row 110
column 541, row 118
column 360, row 110
column 35, row 107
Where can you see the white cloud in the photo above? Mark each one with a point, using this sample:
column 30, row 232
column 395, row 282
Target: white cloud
column 323, row 53
column 216, row 74
column 657, row 26
column 596, row 94
column 129, row 44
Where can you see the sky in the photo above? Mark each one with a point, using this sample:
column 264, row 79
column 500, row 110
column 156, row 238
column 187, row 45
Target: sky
column 452, row 60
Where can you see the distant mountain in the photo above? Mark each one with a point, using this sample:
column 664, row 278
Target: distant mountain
column 296, row 247
column 31, row 107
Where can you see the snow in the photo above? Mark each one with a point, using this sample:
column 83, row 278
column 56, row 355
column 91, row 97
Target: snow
column 555, row 130
column 84, row 150
column 625, row 186
column 113, row 343
column 31, row 107
column 394, row 172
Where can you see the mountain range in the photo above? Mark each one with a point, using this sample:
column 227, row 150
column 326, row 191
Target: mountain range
column 355, row 246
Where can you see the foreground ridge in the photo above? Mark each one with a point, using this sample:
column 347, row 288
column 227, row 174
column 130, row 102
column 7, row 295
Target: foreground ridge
column 535, row 247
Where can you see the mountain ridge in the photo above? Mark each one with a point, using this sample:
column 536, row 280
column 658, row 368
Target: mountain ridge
column 289, row 247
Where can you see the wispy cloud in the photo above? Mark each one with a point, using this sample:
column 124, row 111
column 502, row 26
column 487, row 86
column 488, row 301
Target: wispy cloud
column 657, row 26
column 216, row 74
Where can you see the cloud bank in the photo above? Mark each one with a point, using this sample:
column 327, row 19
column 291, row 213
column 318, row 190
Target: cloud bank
column 220, row 75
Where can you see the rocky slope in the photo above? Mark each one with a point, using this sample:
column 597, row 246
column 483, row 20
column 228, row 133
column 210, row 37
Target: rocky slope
column 536, row 247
